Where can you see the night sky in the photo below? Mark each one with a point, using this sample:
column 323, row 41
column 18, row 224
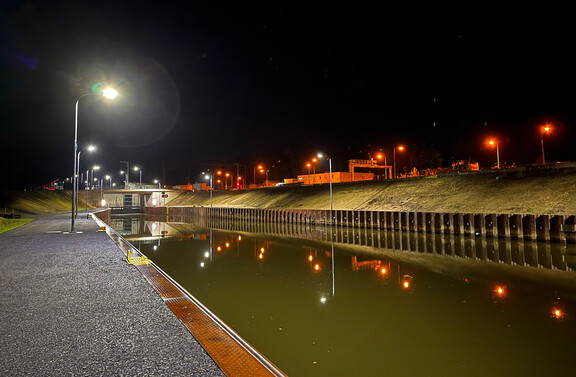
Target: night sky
column 208, row 84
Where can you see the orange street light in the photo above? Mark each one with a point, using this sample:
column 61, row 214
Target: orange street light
column 400, row 148
column 545, row 129
column 259, row 167
column 494, row 142
column 382, row 156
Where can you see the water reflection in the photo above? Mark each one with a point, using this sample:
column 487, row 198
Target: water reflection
column 512, row 252
column 418, row 304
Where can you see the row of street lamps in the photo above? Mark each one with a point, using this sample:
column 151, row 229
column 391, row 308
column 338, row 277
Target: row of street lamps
column 107, row 93
column 544, row 130
column 110, row 94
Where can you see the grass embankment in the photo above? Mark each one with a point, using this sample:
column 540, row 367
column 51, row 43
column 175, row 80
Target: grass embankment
column 35, row 202
column 540, row 192
column 8, row 224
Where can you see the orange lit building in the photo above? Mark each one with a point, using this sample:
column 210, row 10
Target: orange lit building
column 311, row 179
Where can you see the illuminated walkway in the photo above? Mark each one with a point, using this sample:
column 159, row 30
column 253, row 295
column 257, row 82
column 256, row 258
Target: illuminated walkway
column 71, row 305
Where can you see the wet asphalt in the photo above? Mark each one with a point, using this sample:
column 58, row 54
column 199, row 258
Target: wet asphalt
column 70, row 305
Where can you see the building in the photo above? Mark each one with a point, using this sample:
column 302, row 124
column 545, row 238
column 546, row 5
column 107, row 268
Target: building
column 339, row 176
column 465, row 165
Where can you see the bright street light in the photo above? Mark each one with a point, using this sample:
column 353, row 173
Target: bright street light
column 110, row 93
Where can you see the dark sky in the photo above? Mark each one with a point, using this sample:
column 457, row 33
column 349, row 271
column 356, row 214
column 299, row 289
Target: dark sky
column 211, row 83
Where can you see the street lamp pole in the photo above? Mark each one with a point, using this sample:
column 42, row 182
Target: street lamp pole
column 495, row 142
column 331, row 220
column 90, row 148
column 136, row 168
column 330, row 180
column 400, row 148
column 127, row 178
column 545, row 129
column 211, row 176
column 75, row 175
column 108, row 93
column 95, row 167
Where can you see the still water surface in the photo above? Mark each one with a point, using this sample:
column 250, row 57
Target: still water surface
column 378, row 311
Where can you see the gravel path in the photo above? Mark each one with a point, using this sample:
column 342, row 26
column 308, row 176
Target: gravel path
column 71, row 305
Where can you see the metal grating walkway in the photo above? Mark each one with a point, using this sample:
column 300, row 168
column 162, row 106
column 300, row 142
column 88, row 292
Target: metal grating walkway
column 232, row 353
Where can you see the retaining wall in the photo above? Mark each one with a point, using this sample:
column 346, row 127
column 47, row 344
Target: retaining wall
column 550, row 228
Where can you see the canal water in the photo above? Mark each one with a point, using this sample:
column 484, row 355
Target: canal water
column 377, row 303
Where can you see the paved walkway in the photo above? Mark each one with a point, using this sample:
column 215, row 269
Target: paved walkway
column 71, row 305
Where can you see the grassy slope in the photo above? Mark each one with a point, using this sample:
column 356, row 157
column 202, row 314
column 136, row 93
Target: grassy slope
column 550, row 193
column 8, row 224
column 35, row 202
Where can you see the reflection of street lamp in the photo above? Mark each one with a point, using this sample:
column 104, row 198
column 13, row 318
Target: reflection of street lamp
column 107, row 93
column 544, row 130
column 400, row 148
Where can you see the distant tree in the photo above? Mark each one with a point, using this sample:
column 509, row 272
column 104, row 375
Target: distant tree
column 424, row 156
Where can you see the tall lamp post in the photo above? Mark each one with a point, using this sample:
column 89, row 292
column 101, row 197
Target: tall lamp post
column 107, row 93
column 127, row 177
column 400, row 148
column 89, row 148
column 95, row 167
column 260, row 169
column 544, row 130
column 494, row 142
column 211, row 176
column 320, row 155
column 136, row 168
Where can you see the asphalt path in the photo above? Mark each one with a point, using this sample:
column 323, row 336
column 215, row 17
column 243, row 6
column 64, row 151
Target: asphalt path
column 70, row 305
